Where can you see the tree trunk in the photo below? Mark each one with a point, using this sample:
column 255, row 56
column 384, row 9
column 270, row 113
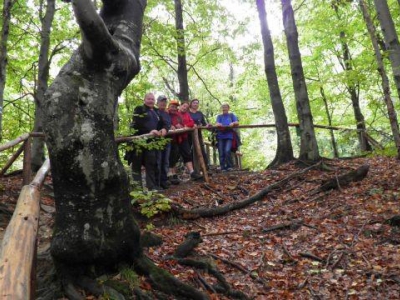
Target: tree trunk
column 181, row 47
column 7, row 6
column 93, row 223
column 284, row 151
column 43, row 76
column 308, row 142
column 391, row 39
column 385, row 80
column 328, row 115
column 353, row 89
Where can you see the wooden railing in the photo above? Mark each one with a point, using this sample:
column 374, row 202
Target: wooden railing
column 18, row 249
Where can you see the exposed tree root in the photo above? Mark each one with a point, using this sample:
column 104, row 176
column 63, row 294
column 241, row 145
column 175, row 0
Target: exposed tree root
column 223, row 286
column 164, row 281
column 223, row 209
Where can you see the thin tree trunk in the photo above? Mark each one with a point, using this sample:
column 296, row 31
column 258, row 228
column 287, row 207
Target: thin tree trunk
column 385, row 80
column 353, row 89
column 328, row 115
column 391, row 38
column 284, row 151
column 308, row 142
column 43, row 76
column 7, row 7
column 181, row 47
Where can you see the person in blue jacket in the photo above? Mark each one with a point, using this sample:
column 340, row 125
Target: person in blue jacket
column 225, row 121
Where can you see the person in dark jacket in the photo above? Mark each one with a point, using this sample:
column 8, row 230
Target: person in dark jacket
column 163, row 155
column 147, row 119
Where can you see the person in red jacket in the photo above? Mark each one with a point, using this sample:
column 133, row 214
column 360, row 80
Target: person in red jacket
column 180, row 144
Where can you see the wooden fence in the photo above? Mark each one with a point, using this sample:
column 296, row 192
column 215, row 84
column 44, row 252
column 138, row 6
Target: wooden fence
column 19, row 246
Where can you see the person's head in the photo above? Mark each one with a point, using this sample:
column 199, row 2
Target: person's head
column 162, row 102
column 149, row 100
column 225, row 108
column 173, row 105
column 194, row 104
column 184, row 107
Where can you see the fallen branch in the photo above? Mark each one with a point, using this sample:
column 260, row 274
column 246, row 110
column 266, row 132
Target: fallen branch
column 286, row 225
column 223, row 209
column 311, row 256
column 343, row 180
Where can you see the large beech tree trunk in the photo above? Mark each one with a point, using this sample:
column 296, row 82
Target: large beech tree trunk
column 308, row 142
column 382, row 72
column 93, row 223
column 391, row 38
column 181, row 47
column 7, row 6
column 284, row 151
column 43, row 76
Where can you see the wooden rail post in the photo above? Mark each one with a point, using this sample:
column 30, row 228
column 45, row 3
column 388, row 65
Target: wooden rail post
column 27, row 170
column 200, row 158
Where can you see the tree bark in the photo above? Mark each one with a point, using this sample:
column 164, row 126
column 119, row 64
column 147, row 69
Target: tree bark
column 93, row 223
column 353, row 88
column 43, row 76
column 308, row 142
column 181, row 47
column 385, row 80
column 391, row 39
column 284, row 151
column 328, row 115
column 7, row 7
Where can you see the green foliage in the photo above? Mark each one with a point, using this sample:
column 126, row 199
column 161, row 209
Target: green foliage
column 151, row 203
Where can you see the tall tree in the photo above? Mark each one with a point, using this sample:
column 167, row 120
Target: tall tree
column 308, row 142
column 182, row 73
column 352, row 85
column 46, row 20
column 284, row 151
column 94, row 227
column 391, row 38
column 7, row 7
column 382, row 72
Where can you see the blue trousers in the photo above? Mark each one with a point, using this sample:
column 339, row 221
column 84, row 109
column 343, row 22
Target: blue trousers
column 163, row 163
column 224, row 150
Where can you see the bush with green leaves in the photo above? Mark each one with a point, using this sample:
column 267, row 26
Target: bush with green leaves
column 151, row 203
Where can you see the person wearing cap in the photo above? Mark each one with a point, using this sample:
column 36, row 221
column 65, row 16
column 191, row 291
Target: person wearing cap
column 163, row 155
column 180, row 144
column 147, row 119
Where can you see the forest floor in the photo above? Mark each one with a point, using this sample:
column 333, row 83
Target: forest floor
column 294, row 243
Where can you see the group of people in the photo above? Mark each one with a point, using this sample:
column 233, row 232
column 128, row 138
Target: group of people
column 157, row 118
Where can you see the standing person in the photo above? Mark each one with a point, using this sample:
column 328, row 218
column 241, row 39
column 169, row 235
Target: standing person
column 146, row 119
column 180, row 143
column 200, row 120
column 225, row 136
column 163, row 155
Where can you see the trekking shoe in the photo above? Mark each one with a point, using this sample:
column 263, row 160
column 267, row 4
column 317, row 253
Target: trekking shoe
column 195, row 176
column 165, row 185
column 174, row 179
column 229, row 169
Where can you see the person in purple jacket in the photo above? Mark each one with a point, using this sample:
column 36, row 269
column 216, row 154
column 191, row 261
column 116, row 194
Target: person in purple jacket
column 226, row 121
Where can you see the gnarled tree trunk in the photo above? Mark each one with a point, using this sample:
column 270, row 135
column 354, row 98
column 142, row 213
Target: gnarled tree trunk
column 284, row 151
column 93, row 224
